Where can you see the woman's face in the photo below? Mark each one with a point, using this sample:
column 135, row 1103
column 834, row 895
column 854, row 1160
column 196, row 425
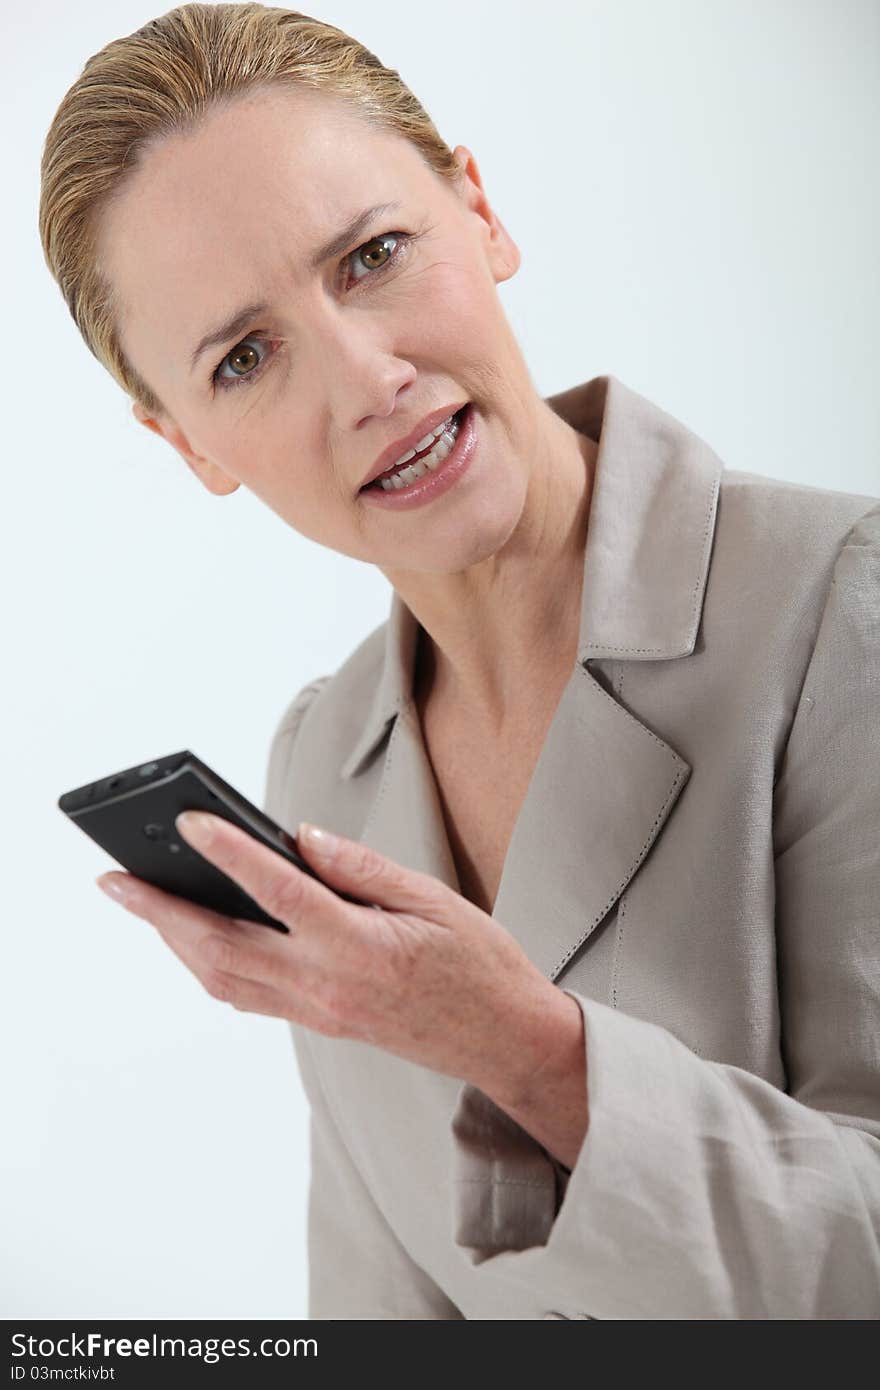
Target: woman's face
column 300, row 398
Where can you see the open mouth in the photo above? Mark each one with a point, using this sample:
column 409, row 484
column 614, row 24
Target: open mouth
column 428, row 461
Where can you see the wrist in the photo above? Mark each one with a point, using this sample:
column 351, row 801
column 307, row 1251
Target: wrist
column 540, row 1052
column 548, row 1096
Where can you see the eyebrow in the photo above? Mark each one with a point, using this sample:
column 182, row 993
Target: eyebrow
column 235, row 324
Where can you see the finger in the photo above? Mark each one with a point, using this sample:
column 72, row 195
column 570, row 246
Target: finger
column 249, row 996
column 292, row 997
column 358, row 869
column 281, row 889
column 202, row 939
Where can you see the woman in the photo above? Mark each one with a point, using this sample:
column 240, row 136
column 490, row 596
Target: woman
column 606, row 1046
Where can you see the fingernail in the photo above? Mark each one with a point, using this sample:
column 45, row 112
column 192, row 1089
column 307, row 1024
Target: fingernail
column 195, row 825
column 114, row 887
column 318, row 839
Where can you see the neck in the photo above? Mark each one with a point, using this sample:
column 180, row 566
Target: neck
column 500, row 634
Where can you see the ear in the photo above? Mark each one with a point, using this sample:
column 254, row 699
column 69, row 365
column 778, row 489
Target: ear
column 209, row 474
column 504, row 254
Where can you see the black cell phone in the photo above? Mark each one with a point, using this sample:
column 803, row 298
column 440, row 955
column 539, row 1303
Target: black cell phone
column 131, row 815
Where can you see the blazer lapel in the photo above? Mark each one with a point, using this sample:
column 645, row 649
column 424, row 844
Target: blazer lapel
column 605, row 783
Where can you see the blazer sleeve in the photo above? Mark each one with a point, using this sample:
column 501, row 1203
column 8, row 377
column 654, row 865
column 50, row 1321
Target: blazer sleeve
column 281, row 747
column 357, row 1267
column 702, row 1190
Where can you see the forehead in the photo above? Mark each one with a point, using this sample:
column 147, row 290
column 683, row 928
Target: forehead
column 242, row 200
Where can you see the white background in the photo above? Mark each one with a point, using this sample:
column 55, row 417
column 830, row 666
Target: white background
column 694, row 188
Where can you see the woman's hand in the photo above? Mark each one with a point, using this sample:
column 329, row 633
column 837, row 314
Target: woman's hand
column 424, row 974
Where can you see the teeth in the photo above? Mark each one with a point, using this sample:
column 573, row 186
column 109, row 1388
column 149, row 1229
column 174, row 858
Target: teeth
column 422, row 444
column 440, row 451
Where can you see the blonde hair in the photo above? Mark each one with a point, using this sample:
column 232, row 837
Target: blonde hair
column 160, row 81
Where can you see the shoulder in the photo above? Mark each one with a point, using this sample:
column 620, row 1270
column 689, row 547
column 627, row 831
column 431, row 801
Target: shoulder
column 781, row 541
column 357, row 675
column 328, row 707
column 774, row 509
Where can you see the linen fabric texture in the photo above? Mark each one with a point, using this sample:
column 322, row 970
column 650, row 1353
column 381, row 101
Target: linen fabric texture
column 697, row 864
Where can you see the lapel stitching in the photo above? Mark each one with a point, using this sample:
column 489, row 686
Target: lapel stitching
column 605, row 783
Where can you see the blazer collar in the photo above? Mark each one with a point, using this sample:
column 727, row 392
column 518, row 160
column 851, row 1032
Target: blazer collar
column 649, row 542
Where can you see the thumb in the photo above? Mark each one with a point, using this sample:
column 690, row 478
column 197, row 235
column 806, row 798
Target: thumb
column 367, row 874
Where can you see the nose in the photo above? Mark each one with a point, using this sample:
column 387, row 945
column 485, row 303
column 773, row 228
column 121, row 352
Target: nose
column 365, row 377
column 382, row 397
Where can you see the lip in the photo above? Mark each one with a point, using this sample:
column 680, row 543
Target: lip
column 434, row 484
column 409, row 441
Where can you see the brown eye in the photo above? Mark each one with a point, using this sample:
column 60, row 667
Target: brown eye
column 375, row 254
column 244, row 362
column 244, row 358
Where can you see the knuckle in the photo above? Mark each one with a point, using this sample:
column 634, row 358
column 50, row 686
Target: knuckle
column 283, row 897
column 220, row 987
column 220, row 955
column 329, row 1028
column 370, row 867
column 441, row 901
column 334, row 1010
column 399, row 879
column 365, row 862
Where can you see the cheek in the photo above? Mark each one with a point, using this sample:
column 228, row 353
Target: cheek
column 464, row 331
column 453, row 299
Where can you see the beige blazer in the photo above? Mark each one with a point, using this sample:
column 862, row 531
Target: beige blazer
column 697, row 863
